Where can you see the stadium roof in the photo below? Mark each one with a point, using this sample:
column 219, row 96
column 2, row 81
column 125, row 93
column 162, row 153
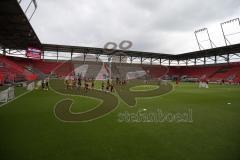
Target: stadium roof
column 92, row 50
column 232, row 49
column 15, row 30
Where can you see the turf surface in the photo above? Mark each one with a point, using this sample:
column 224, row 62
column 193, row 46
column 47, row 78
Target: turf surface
column 30, row 130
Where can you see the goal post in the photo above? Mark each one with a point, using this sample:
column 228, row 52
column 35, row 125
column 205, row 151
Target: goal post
column 7, row 95
column 11, row 93
column 31, row 86
column 203, row 85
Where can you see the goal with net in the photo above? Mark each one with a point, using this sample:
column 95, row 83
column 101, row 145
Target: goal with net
column 7, row 94
column 31, row 86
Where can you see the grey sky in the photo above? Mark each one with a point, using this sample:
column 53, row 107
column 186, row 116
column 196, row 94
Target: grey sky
column 165, row 26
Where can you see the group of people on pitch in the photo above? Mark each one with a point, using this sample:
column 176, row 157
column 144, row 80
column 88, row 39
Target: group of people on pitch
column 109, row 86
column 44, row 84
column 121, row 81
column 88, row 84
column 71, row 83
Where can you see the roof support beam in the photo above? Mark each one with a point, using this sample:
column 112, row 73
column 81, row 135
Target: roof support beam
column 71, row 54
column 57, row 55
column 97, row 57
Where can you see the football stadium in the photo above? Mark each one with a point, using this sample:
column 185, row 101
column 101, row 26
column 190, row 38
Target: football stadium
column 64, row 102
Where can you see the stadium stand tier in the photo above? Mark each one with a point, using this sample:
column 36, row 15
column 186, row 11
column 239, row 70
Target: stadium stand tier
column 12, row 71
column 20, row 69
column 212, row 73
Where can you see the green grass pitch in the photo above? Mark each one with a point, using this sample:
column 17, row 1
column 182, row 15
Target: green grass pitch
column 30, row 130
